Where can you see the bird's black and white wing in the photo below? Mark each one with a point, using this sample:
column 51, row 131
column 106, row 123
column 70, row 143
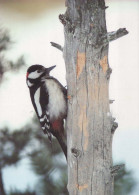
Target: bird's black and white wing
column 44, row 118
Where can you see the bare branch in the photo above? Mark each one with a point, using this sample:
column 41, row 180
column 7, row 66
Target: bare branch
column 57, row 46
column 111, row 101
column 116, row 169
column 109, row 71
column 63, row 19
column 111, row 36
column 114, row 127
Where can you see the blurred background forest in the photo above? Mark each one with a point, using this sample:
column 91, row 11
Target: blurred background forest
column 28, row 163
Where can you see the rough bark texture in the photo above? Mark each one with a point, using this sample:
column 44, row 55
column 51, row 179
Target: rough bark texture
column 89, row 122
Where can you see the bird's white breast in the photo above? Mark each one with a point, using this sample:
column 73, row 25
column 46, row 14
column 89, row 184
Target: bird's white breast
column 57, row 103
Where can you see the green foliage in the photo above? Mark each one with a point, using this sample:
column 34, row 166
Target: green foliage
column 5, row 40
column 6, row 65
column 11, row 146
column 49, row 164
column 124, row 182
column 26, row 192
column 11, row 143
column 15, row 66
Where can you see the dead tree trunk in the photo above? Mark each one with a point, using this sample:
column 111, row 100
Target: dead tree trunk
column 89, row 122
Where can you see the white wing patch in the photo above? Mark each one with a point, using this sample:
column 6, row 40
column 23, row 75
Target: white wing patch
column 57, row 103
column 34, row 75
column 43, row 119
column 37, row 102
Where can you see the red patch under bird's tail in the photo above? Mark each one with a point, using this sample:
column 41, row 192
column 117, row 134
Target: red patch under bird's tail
column 58, row 132
column 57, row 126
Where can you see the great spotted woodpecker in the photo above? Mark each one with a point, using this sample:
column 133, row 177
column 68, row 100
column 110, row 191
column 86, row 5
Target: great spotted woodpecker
column 49, row 99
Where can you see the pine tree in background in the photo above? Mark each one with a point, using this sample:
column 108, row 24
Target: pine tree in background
column 6, row 65
column 46, row 158
column 26, row 192
column 11, row 143
column 48, row 162
column 124, row 183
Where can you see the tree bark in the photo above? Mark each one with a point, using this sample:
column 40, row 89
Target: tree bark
column 89, row 122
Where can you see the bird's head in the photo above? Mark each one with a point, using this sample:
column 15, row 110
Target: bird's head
column 36, row 74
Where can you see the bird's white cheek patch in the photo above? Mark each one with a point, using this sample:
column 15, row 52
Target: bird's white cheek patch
column 37, row 102
column 34, row 75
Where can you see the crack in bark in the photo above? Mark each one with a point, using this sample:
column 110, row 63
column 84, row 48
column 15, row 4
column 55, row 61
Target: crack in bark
column 87, row 91
column 77, row 175
column 71, row 118
column 93, row 156
column 91, row 183
column 103, row 138
column 98, row 86
column 82, row 140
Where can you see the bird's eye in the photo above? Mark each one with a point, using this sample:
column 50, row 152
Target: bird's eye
column 38, row 71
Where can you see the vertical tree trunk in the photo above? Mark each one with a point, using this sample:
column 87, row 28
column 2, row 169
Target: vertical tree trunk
column 2, row 191
column 89, row 122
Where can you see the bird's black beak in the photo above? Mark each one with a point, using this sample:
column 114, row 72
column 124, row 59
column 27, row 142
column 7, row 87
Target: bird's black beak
column 47, row 70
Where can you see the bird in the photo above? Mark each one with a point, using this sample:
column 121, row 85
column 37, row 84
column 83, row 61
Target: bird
column 49, row 99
